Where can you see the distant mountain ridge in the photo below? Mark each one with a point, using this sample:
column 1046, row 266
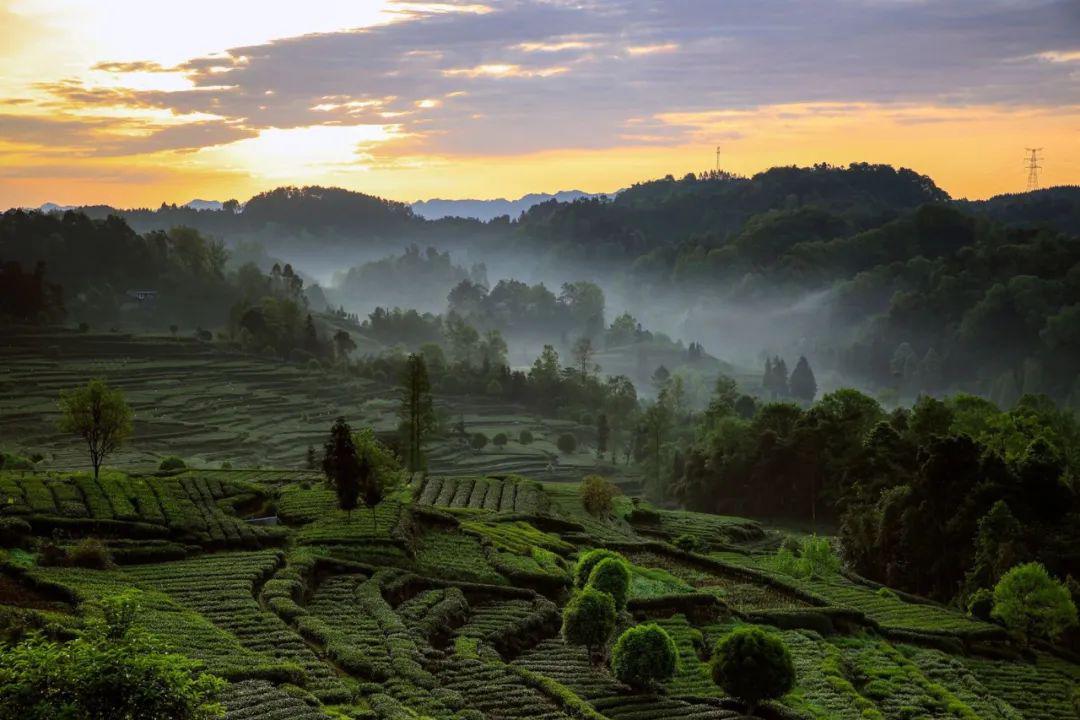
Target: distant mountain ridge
column 485, row 210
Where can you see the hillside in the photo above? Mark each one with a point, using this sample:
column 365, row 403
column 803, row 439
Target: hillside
column 444, row 601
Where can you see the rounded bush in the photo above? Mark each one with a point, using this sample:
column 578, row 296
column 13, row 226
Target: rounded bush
column 687, row 543
column 90, row 553
column 643, row 656
column 525, row 437
column 587, row 561
column 589, row 619
column 172, row 462
column 500, row 440
column 479, row 441
column 611, row 575
column 566, row 443
column 981, row 603
column 597, row 492
column 752, row 665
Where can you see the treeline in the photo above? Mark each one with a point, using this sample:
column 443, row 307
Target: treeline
column 939, row 499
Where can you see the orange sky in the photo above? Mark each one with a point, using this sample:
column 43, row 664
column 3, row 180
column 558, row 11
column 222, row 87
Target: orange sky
column 131, row 109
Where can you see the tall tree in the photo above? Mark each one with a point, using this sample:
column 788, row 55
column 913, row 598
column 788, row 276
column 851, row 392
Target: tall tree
column 417, row 413
column 344, row 344
column 803, row 385
column 341, row 465
column 100, row 415
column 603, row 433
column 583, row 355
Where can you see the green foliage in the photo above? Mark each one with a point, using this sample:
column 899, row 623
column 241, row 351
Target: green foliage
column 117, row 673
column 815, row 559
column 980, row 604
column 597, row 492
column 589, row 560
column 172, row 462
column 525, row 437
column 566, row 443
column 499, row 440
column 417, row 412
column 14, row 532
column 479, row 441
column 688, row 543
column 1033, row 604
column 753, row 665
column 589, row 619
column 99, row 415
column 644, row 655
column 612, row 576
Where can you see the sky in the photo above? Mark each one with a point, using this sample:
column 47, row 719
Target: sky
column 134, row 103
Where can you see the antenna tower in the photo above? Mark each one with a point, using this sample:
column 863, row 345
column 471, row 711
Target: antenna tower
column 1031, row 162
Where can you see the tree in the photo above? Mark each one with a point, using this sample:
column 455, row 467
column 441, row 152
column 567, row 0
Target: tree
column 479, row 441
column 611, row 575
column 584, row 353
column 110, row 671
column 417, row 412
column 525, row 437
column 312, row 459
column 589, row 620
column 603, row 433
column 344, row 344
column 657, row 420
column 752, row 665
column 379, row 471
column 643, row 656
column 596, row 494
column 775, row 379
column 1033, row 604
column 587, row 561
column 566, row 443
column 341, row 465
column 98, row 414
column 802, row 385
column 499, row 440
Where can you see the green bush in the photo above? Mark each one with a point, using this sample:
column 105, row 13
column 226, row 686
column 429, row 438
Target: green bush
column 109, row 674
column 596, row 494
column 90, row 553
column 172, row 462
column 500, row 440
column 688, row 543
column 1032, row 603
column 479, row 441
column 566, row 443
column 14, row 532
column 643, row 656
column 525, row 437
column 753, row 665
column 589, row 619
column 814, row 559
column 612, row 576
column 587, row 561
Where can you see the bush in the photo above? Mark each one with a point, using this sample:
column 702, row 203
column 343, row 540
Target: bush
column 643, row 656
column 752, row 665
column 687, row 543
column 566, row 443
column 980, row 604
column 587, row 561
column 500, row 440
column 479, row 441
column 815, row 559
column 611, row 575
column 14, row 532
column 589, row 619
column 90, row 553
column 172, row 462
column 525, row 437
column 1032, row 603
column 596, row 494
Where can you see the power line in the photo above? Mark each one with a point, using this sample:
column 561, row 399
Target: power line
column 1031, row 162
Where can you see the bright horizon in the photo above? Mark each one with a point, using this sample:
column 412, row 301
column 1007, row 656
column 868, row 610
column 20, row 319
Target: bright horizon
column 414, row 100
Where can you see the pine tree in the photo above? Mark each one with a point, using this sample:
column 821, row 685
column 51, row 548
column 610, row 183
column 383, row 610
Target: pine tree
column 803, row 384
column 341, row 465
column 780, row 378
column 417, row 412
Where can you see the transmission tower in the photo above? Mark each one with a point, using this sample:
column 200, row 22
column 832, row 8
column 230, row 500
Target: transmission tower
column 718, row 158
column 1031, row 162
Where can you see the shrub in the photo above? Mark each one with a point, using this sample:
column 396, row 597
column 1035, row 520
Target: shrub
column 589, row 619
column 90, row 553
column 687, row 543
column 587, row 561
column 980, row 604
column 611, row 575
column 815, row 559
column 479, row 441
column 494, row 388
column 566, row 443
column 172, row 462
column 500, row 440
column 1032, row 603
column 596, row 494
column 525, row 437
column 644, row 655
column 14, row 532
column 752, row 665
